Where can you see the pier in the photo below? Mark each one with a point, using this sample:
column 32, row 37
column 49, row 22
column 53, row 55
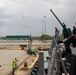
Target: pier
column 7, row 56
column 11, row 50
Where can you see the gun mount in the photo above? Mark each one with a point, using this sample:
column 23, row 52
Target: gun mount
column 71, row 38
column 60, row 22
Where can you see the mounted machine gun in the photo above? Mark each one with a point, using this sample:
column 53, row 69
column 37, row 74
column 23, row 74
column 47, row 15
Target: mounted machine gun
column 71, row 38
column 70, row 63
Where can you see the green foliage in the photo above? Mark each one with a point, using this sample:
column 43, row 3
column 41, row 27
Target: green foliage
column 45, row 37
column 36, row 38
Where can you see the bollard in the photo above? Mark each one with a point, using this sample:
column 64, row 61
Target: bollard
column 25, row 64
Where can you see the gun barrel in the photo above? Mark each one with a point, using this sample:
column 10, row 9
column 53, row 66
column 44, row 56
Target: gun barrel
column 56, row 17
column 59, row 21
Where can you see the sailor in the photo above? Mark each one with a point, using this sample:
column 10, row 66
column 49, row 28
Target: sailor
column 56, row 32
column 64, row 33
column 56, row 29
column 15, row 61
column 74, row 30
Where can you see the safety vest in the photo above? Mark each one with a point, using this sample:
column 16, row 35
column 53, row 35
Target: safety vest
column 13, row 65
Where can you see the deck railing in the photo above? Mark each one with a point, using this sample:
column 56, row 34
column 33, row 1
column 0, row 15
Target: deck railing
column 55, row 57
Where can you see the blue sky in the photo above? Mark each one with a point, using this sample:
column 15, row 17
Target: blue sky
column 22, row 17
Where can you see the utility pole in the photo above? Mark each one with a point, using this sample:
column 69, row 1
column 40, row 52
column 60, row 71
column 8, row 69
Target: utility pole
column 45, row 26
column 42, row 27
column 45, row 31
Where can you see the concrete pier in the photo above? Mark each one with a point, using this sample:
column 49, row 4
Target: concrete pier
column 31, row 61
column 6, row 58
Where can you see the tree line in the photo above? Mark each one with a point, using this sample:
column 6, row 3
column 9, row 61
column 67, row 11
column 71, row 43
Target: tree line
column 42, row 37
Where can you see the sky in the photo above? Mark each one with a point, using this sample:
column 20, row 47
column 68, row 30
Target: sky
column 25, row 17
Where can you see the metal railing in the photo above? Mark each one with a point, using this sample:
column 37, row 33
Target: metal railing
column 55, row 58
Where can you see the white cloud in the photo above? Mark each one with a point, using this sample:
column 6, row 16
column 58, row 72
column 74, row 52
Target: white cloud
column 15, row 14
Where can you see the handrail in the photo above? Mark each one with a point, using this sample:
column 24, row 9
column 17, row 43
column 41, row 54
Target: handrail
column 55, row 53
